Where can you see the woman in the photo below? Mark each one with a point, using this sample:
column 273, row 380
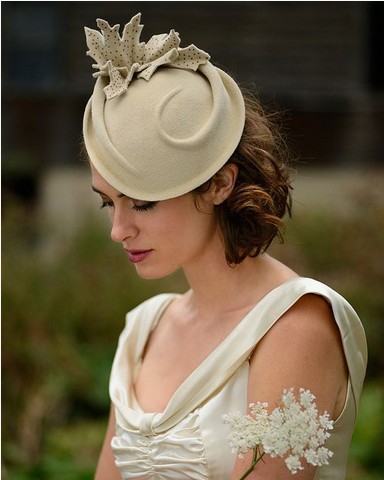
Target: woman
column 194, row 177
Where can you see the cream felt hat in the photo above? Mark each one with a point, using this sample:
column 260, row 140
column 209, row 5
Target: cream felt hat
column 162, row 120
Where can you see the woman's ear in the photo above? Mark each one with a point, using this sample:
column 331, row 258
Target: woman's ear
column 223, row 183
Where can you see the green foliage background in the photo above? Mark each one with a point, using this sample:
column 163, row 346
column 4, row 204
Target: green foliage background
column 63, row 310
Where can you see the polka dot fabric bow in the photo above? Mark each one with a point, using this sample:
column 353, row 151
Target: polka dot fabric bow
column 121, row 57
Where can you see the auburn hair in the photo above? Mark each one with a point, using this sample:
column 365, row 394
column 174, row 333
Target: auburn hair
column 252, row 216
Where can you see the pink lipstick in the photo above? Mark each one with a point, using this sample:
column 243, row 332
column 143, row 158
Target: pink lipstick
column 136, row 256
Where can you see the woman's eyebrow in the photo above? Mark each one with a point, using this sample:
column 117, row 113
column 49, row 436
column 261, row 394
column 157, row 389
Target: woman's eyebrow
column 119, row 195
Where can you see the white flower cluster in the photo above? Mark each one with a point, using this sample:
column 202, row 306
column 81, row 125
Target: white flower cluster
column 293, row 430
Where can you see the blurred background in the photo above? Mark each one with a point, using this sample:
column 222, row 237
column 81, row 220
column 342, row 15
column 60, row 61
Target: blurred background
column 66, row 287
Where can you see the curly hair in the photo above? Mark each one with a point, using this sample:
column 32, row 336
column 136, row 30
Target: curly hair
column 252, row 216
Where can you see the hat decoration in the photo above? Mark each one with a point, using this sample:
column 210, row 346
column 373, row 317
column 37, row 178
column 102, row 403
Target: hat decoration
column 121, row 57
column 157, row 133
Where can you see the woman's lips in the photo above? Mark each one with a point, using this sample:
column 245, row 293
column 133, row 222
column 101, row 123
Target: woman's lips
column 136, row 256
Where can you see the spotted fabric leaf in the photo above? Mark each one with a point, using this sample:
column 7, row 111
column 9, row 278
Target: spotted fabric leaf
column 121, row 57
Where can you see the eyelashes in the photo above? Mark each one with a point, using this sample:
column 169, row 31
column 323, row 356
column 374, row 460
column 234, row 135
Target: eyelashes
column 105, row 204
column 144, row 207
column 137, row 207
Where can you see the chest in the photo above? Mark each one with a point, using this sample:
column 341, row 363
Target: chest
column 173, row 352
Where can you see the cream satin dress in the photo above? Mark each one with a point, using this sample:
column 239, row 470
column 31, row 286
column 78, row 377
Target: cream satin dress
column 188, row 439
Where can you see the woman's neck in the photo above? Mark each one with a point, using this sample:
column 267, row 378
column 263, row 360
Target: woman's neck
column 217, row 287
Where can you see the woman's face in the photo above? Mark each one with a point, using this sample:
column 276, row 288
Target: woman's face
column 159, row 237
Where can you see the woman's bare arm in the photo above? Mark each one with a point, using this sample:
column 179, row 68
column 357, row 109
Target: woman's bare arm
column 303, row 349
column 106, row 469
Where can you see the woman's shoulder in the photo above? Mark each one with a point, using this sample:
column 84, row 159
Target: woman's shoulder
column 154, row 302
column 298, row 287
column 309, row 314
column 318, row 327
column 281, row 283
column 303, row 309
column 149, row 311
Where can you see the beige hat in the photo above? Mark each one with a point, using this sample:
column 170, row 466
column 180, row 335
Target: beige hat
column 157, row 133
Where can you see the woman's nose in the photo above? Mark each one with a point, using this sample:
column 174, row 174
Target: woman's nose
column 122, row 226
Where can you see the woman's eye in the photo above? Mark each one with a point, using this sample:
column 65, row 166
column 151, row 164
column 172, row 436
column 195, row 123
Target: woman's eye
column 143, row 206
column 106, row 204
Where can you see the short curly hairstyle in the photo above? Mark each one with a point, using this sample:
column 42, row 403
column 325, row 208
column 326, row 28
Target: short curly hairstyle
column 252, row 216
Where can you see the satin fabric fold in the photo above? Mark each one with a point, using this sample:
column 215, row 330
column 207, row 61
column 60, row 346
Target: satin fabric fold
column 161, row 456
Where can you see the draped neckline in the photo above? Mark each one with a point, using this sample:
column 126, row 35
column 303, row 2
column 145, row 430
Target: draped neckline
column 225, row 359
column 215, row 351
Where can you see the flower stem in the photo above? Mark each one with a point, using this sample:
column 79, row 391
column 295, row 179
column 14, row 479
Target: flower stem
column 255, row 459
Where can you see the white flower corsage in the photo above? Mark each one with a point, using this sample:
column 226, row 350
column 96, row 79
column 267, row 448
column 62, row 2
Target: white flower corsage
column 293, row 430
